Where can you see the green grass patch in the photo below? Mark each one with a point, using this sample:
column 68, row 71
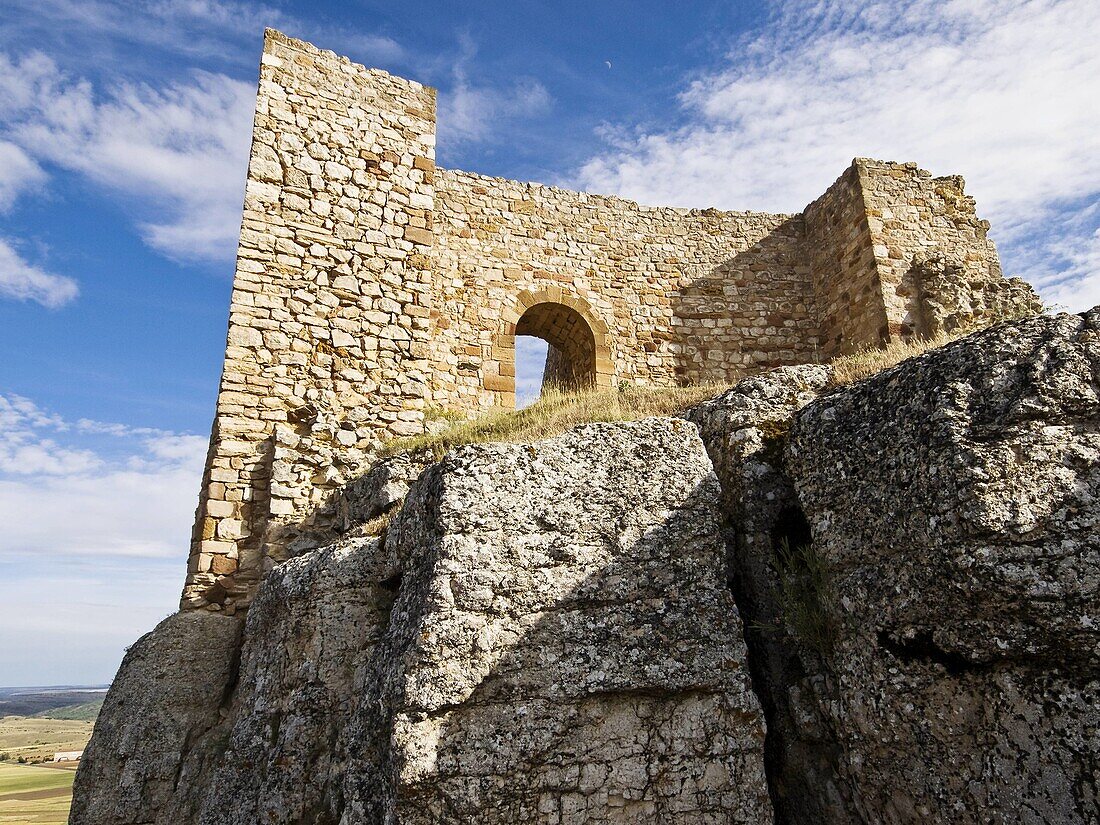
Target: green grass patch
column 806, row 596
column 27, row 778
column 35, row 796
column 83, row 712
column 35, row 739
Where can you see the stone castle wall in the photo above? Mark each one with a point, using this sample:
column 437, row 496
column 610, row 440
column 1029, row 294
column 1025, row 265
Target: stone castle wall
column 372, row 286
column 850, row 310
column 684, row 295
column 328, row 334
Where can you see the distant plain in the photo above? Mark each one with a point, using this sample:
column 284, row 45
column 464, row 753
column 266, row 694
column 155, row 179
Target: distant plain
column 34, row 725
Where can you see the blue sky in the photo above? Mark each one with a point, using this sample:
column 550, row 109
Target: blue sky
column 124, row 133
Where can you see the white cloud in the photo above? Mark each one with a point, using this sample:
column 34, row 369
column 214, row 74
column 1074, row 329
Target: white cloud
column 180, row 151
column 62, row 493
column 70, row 623
column 145, row 512
column 97, row 520
column 19, row 413
column 22, row 281
column 215, row 21
column 362, row 47
column 1080, row 290
column 1066, row 268
column 22, row 80
column 212, row 29
column 999, row 90
column 18, row 173
column 469, row 112
column 44, row 458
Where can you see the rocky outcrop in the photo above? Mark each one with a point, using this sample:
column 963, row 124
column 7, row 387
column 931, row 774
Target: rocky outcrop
column 915, row 558
column 308, row 644
column 563, row 647
column 953, row 502
column 544, row 634
column 158, row 734
column 564, row 632
column 745, row 430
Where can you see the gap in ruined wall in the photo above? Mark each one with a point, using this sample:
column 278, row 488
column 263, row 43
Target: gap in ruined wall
column 570, row 360
column 531, row 354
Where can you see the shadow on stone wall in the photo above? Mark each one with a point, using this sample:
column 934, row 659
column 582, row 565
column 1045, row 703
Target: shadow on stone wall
column 753, row 312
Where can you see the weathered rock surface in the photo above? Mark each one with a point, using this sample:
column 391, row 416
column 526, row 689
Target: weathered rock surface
column 563, row 647
column 745, row 430
column 156, row 736
column 308, row 644
column 954, row 502
column 375, row 493
column 543, row 635
column 556, row 632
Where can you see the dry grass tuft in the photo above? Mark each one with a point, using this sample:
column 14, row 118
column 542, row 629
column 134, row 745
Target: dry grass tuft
column 377, row 525
column 867, row 362
column 555, row 412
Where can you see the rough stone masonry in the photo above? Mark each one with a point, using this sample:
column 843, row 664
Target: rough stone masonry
column 373, row 288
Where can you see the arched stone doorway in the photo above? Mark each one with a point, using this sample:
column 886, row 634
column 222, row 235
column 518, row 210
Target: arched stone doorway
column 578, row 356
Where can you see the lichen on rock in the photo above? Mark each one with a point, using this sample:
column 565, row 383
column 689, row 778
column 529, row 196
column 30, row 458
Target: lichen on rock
column 543, row 635
column 599, row 627
column 954, row 498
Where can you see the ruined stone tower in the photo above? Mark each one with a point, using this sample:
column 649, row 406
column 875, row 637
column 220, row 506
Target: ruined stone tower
column 372, row 287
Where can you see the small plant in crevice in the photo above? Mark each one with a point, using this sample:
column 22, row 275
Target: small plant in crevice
column 806, row 595
column 774, row 436
column 377, row 525
column 219, row 742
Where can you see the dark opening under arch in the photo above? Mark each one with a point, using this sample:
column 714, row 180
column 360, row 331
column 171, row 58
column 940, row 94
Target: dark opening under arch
column 578, row 356
column 571, row 354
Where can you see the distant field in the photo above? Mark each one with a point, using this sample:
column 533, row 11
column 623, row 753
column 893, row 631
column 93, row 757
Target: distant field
column 32, row 795
column 35, row 723
column 43, row 701
column 37, row 739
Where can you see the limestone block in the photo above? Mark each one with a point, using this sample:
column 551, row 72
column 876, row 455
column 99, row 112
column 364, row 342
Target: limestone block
column 342, row 339
column 245, row 337
column 154, row 745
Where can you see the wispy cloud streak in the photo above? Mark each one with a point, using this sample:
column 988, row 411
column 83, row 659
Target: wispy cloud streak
column 64, row 492
column 998, row 90
column 22, row 281
column 180, row 151
column 469, row 112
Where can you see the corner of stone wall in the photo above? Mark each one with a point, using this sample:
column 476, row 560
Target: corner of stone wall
column 897, row 253
column 843, row 267
column 937, row 267
column 328, row 333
